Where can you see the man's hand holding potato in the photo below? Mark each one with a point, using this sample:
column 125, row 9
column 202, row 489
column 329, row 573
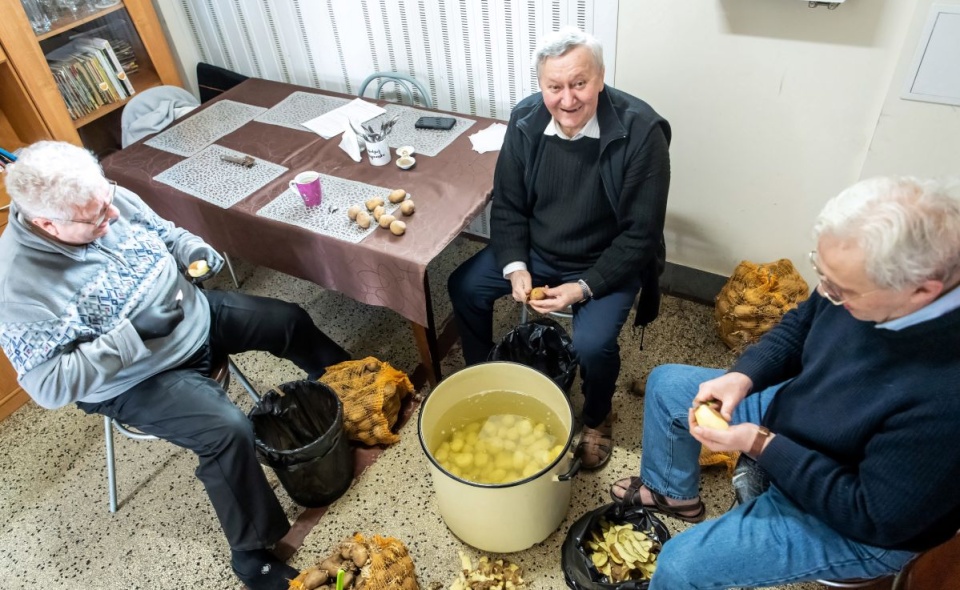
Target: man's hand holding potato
column 557, row 298
column 521, row 283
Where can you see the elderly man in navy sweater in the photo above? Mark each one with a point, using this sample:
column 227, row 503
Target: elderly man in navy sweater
column 579, row 199
column 850, row 405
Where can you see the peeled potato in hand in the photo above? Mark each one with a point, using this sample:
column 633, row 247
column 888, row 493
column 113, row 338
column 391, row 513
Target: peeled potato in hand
column 198, row 268
column 537, row 293
column 708, row 417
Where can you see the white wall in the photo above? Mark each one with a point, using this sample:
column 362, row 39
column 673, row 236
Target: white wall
column 773, row 107
column 915, row 138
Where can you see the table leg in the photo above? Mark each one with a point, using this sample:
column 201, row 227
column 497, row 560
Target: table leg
column 426, row 340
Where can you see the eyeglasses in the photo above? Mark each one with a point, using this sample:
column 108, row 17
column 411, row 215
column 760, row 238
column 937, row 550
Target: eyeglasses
column 103, row 212
column 831, row 292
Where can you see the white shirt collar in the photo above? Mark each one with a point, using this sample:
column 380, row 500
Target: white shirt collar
column 940, row 306
column 591, row 129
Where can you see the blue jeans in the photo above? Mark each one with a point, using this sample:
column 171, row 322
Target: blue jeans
column 479, row 282
column 766, row 542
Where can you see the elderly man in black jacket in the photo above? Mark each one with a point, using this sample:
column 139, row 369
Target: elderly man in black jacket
column 579, row 199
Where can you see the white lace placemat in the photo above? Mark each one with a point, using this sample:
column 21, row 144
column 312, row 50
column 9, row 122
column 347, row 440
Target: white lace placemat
column 299, row 107
column 330, row 218
column 428, row 142
column 207, row 177
column 197, row 132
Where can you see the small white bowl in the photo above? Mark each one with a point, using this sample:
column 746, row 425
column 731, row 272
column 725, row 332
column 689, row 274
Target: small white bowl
column 405, row 150
column 406, row 162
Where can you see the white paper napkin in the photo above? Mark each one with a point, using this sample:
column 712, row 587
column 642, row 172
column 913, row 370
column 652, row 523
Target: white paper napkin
column 489, row 139
column 349, row 144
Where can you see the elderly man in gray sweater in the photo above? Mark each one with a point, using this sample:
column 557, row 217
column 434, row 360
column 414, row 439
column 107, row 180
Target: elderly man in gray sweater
column 96, row 310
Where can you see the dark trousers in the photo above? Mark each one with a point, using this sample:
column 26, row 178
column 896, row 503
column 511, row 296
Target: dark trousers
column 192, row 411
column 479, row 282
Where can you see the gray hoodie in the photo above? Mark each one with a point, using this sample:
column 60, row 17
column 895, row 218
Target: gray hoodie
column 64, row 310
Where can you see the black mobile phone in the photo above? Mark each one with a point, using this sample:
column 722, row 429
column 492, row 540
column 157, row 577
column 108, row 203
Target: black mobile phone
column 444, row 123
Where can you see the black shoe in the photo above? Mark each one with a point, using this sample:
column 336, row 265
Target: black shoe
column 259, row 569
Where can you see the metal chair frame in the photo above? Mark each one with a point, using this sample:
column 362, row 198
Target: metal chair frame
column 404, row 83
column 221, row 375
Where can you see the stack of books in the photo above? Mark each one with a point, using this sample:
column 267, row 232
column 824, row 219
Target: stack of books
column 89, row 75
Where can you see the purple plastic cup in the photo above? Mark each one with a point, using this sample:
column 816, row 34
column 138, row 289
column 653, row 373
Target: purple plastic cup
column 307, row 185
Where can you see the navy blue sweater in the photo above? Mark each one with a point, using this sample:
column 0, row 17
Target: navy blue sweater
column 868, row 429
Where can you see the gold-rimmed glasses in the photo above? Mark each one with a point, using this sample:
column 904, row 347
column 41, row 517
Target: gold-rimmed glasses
column 103, row 212
column 831, row 292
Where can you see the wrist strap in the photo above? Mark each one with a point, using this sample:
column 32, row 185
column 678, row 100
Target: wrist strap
column 758, row 441
column 585, row 290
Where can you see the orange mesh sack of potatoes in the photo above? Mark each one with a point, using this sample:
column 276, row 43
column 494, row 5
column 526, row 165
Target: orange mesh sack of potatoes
column 755, row 298
column 377, row 563
column 371, row 392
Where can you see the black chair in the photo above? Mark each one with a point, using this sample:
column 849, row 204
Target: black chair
column 214, row 80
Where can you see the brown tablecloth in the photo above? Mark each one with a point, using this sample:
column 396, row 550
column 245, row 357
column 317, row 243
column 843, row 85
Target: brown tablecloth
column 386, row 270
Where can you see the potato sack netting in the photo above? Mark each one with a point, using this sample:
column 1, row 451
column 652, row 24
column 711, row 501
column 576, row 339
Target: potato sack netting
column 371, row 392
column 755, row 298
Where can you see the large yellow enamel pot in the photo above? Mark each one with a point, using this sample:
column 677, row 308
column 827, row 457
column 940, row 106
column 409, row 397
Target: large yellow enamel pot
column 500, row 518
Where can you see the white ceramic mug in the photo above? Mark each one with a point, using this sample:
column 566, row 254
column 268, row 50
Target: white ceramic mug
column 378, row 152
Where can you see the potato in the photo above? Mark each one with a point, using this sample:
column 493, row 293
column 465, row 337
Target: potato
column 378, row 212
column 708, row 417
column 374, row 203
column 363, row 219
column 198, row 268
column 407, row 207
column 397, row 195
column 315, row 578
column 353, row 211
column 537, row 293
column 385, row 220
column 398, row 228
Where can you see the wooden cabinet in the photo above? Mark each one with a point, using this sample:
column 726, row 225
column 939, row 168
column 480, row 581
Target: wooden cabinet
column 26, row 83
column 11, row 396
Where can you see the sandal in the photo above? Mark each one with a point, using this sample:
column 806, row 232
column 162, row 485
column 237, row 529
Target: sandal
column 596, row 445
column 631, row 498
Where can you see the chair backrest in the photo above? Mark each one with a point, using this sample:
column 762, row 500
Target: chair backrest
column 934, row 569
column 407, row 86
column 214, row 80
column 153, row 110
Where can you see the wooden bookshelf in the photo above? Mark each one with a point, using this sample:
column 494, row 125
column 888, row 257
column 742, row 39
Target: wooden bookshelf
column 24, row 51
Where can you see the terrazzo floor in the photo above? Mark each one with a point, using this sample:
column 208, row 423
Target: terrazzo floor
column 58, row 533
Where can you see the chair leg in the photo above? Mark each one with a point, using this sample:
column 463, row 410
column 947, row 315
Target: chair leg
column 226, row 258
column 238, row 374
column 111, row 464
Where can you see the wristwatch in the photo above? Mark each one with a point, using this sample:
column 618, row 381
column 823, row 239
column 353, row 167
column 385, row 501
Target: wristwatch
column 763, row 433
column 585, row 290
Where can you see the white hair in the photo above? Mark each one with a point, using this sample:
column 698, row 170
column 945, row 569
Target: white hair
column 53, row 179
column 909, row 228
column 560, row 42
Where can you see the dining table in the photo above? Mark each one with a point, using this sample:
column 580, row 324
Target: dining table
column 198, row 174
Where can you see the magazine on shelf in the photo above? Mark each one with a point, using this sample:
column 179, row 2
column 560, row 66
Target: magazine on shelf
column 103, row 46
column 85, row 77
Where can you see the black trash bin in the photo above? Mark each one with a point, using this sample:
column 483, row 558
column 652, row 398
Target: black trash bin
column 299, row 433
column 541, row 344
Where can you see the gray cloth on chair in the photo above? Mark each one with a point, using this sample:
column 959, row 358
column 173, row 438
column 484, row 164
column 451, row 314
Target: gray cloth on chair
column 152, row 110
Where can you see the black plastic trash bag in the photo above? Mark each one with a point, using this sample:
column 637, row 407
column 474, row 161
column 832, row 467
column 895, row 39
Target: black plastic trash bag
column 542, row 344
column 578, row 570
column 299, row 433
